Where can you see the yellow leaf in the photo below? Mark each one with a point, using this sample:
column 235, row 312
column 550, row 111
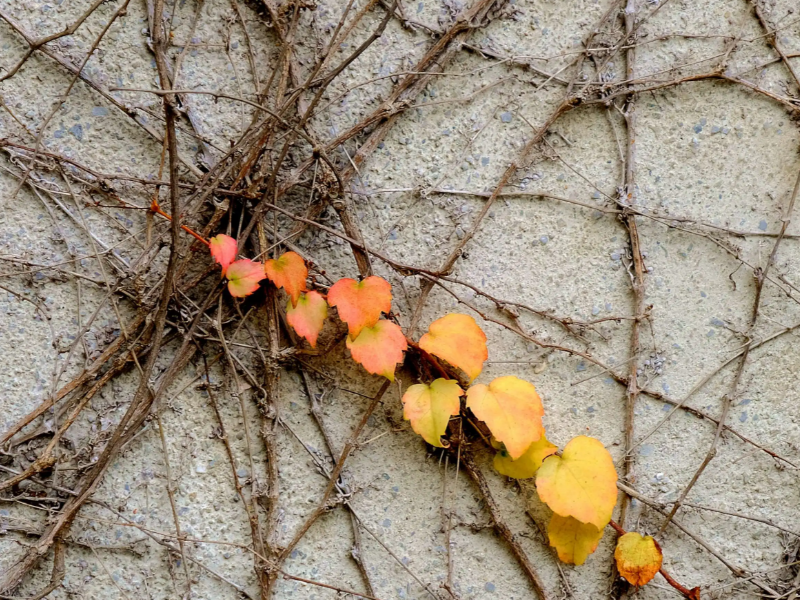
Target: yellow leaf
column 429, row 408
column 512, row 409
column 458, row 340
column 574, row 541
column 638, row 557
column 581, row 483
column 526, row 465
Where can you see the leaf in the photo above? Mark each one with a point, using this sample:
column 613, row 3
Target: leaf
column 638, row 558
column 574, row 541
column 526, row 465
column 243, row 277
column 289, row 272
column 512, row 409
column 308, row 316
column 457, row 339
column 429, row 408
column 223, row 250
column 360, row 303
column 379, row 348
column 581, row 483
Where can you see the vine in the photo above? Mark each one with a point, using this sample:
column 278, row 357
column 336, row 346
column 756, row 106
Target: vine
column 578, row 483
column 284, row 152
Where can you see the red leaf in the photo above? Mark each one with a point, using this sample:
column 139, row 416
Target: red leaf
column 223, row 250
column 378, row 349
column 243, row 277
column 288, row 272
column 308, row 317
column 360, row 303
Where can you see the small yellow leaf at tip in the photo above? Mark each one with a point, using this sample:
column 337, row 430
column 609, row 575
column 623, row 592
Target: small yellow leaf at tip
column 429, row 408
column 638, row 557
column 511, row 409
column 574, row 541
column 581, row 483
column 526, row 465
column 459, row 340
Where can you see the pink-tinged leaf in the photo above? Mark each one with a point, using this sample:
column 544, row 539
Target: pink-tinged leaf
column 243, row 277
column 289, row 272
column 308, row 316
column 379, row 348
column 360, row 303
column 223, row 250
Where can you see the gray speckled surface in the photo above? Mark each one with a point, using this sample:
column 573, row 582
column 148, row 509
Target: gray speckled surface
column 710, row 151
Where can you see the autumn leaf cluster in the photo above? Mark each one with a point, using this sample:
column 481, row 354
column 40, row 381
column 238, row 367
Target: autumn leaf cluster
column 578, row 483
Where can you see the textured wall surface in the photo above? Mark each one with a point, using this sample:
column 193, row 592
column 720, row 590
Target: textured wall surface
column 661, row 197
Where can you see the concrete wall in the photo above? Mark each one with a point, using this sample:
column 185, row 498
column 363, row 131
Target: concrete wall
column 715, row 165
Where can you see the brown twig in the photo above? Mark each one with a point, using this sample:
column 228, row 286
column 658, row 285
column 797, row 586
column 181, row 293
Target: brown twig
column 500, row 525
column 323, row 505
column 772, row 39
column 142, row 399
column 728, row 399
column 637, row 277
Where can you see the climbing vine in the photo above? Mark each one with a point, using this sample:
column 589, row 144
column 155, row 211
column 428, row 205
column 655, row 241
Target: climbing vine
column 578, row 483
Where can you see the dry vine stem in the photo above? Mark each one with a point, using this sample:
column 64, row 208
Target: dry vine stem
column 271, row 186
column 637, row 277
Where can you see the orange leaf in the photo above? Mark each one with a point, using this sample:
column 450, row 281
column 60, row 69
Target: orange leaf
column 429, row 408
column 512, row 409
column 243, row 277
column 378, row 349
column 638, row 558
column 457, row 339
column 526, row 465
column 308, row 316
column 289, row 272
column 223, row 250
column 360, row 303
column 581, row 483
column 574, row 541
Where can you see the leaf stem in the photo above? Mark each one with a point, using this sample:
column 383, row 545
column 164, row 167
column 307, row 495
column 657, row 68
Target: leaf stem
column 156, row 209
column 431, row 359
